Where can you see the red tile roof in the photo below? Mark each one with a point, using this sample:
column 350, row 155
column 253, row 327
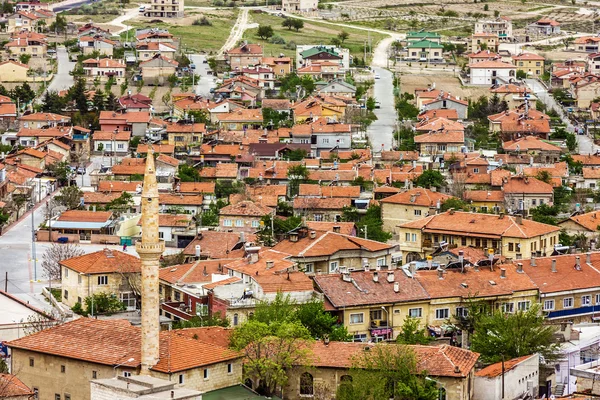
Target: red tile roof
column 217, row 245
column 181, row 200
column 85, row 216
column 200, row 271
column 246, row 208
column 321, row 203
column 307, row 189
column 528, row 143
column 345, row 228
column 519, row 184
column 196, row 187
column 103, row 261
column 12, row 387
column 328, row 243
column 590, row 221
column 118, row 186
column 417, row 197
column 497, row 369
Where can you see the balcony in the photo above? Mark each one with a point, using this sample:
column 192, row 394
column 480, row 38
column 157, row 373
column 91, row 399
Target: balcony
column 80, row 137
column 178, row 309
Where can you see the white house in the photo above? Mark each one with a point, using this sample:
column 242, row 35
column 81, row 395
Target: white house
column 103, row 46
column 17, row 317
column 299, row 5
column 171, row 225
column 491, row 73
column 520, row 377
column 104, row 69
column 580, row 347
column 104, row 141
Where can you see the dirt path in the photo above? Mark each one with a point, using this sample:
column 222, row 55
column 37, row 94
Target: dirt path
column 241, row 24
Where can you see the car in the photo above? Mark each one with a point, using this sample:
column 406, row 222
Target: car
column 142, row 8
column 81, row 171
column 212, row 90
column 205, row 61
column 193, row 66
column 377, row 104
column 377, row 76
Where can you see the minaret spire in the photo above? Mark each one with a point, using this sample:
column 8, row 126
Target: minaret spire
column 150, row 248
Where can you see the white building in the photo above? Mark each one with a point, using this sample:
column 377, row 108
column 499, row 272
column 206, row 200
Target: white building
column 299, row 5
column 104, row 69
column 491, row 73
column 521, row 375
column 580, row 347
column 140, row 387
column 18, row 317
column 307, row 54
column 112, row 141
column 502, row 26
column 162, row 9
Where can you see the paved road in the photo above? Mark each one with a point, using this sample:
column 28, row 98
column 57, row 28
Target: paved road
column 206, row 82
column 62, row 79
column 381, row 131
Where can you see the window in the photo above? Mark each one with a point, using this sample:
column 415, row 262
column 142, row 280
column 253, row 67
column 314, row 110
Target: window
column 31, row 362
column 376, row 314
column 239, row 223
column 475, row 170
column 523, row 305
column 66, row 294
column 236, row 320
column 586, row 301
column 511, row 247
column 333, row 266
column 318, row 217
column 126, row 374
column 306, row 384
column 418, row 212
column 407, row 237
column 103, row 280
column 62, row 369
column 325, row 141
column 309, row 267
column 597, row 299
column 227, row 222
column 120, row 146
column 229, row 368
column 380, row 262
column 94, row 374
column 205, row 373
column 462, row 312
column 67, row 396
column 360, row 337
column 79, row 279
column 56, row 396
column 414, row 237
column 66, row 272
column 255, row 224
column 181, row 379
column 161, row 235
column 357, row 318
column 463, row 241
column 568, row 302
column 442, row 313
column 533, row 202
column 128, row 299
column 177, row 296
column 415, row 312
column 508, row 307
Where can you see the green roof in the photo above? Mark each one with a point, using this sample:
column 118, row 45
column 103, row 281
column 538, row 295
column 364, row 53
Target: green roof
column 428, row 44
column 238, row 392
column 318, row 49
column 422, row 35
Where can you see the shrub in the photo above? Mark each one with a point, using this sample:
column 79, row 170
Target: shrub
column 276, row 39
column 202, row 22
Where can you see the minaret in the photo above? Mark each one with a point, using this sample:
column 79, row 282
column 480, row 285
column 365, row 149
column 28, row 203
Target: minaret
column 150, row 249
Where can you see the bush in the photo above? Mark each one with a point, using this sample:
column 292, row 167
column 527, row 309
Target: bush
column 291, row 45
column 202, row 22
column 276, row 39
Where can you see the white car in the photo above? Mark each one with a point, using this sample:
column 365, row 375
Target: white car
column 142, row 8
column 377, row 76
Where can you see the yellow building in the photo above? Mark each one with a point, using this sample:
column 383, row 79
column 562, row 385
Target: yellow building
column 531, row 64
column 184, row 136
column 409, row 206
column 511, row 237
column 314, row 108
column 452, row 369
column 241, row 119
column 63, row 360
column 484, row 41
column 485, row 201
column 107, row 271
column 12, row 71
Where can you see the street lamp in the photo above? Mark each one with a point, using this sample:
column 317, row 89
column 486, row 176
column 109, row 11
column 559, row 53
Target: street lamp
column 114, row 137
column 124, row 362
column 33, row 252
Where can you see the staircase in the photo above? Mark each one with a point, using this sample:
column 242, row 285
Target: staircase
column 559, row 390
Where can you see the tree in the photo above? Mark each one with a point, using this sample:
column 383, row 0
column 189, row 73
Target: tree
column 265, row 31
column 99, row 101
column 197, row 321
column 53, row 103
column 60, row 24
column 544, row 176
column 430, row 178
column 280, row 226
column 387, row 371
column 296, row 175
column 61, row 171
column 200, row 116
column 288, row 23
column 412, row 333
column 210, row 217
column 545, row 214
column 502, row 335
column 568, row 41
column 103, row 303
column 187, row 173
column 77, row 93
column 297, row 24
column 24, row 58
column 371, row 103
column 454, row 203
column 55, row 254
column 69, row 197
column 521, row 74
column 121, row 204
column 343, row 36
column 271, row 349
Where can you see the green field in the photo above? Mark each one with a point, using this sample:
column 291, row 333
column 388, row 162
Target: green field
column 312, row 33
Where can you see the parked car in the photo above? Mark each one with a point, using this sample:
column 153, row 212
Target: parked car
column 377, row 76
column 142, row 8
column 81, row 171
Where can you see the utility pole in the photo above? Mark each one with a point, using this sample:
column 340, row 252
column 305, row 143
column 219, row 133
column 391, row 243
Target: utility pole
column 6, row 282
column 33, row 254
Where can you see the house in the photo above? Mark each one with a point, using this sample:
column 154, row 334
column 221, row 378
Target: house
column 81, row 226
column 104, row 69
column 244, row 216
column 337, row 88
column 530, row 63
column 173, row 227
column 30, row 43
column 18, row 318
column 147, row 50
column 522, row 193
column 328, row 209
column 511, row 237
column 22, row 21
column 282, row 106
column 514, row 95
column 13, row 71
column 485, row 201
column 445, row 101
column 307, row 55
column 323, row 136
column 440, row 141
column 585, row 91
column 501, row 26
column 484, row 41
column 158, row 9
column 131, row 386
column 482, row 55
column 216, row 245
column 592, row 64
column 330, row 363
column 318, row 252
column 111, row 142
column 514, row 378
column 108, row 271
column 281, row 66
column 314, row 108
column 43, row 120
column 190, row 204
column 408, row 206
column 544, row 26
column 134, row 122
column 491, row 73
column 8, row 108
column 135, row 102
column 99, row 43
column 263, row 75
column 241, row 119
column 425, row 51
column 246, row 55
column 147, row 35
column 199, row 358
column 542, row 151
column 299, row 5
column 587, row 44
column 184, row 136
column 31, row 6
column 11, row 388
column 586, row 224
column 158, row 69
column 418, row 36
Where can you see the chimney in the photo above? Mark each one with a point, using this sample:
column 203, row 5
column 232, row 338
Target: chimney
column 554, row 265
column 346, row 277
column 253, row 258
column 293, row 237
column 588, row 258
column 456, row 369
column 578, row 263
column 313, row 234
column 503, row 273
column 520, row 268
column 413, row 269
column 336, row 229
column 533, row 261
column 396, row 287
column 519, row 219
column 451, row 211
column 501, row 215
column 270, row 264
column 390, row 277
column 440, row 273
column 375, row 276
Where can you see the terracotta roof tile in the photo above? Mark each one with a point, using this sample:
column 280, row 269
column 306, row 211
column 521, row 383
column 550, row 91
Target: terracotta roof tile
column 103, row 261
column 85, row 216
column 196, row 187
column 218, row 245
column 519, row 184
column 181, row 200
column 590, row 220
column 157, row 148
column 328, row 191
column 228, row 281
column 345, row 228
column 246, row 208
column 100, row 197
column 417, row 197
column 328, row 243
column 109, row 135
column 197, row 272
column 528, row 143
column 119, row 186
column 321, row 203
column 497, row 369
column 492, row 196
column 45, row 117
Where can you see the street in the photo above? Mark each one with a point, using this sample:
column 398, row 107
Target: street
column 62, row 79
column 381, row 131
column 206, row 82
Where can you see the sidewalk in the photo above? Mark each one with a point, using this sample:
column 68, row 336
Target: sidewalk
column 26, row 214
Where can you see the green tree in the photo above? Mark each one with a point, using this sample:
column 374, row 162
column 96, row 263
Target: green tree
column 270, row 350
column 412, row 333
column 387, row 372
column 187, row 173
column 69, row 197
column 99, row 101
column 77, row 93
column 103, row 303
column 210, row 217
column 53, row 103
column 544, row 176
column 60, row 24
column 454, row 203
column 24, row 58
column 200, row 116
column 369, row 223
column 61, row 171
column 295, row 155
column 121, row 204
column 296, row 175
column 430, row 178
column 288, row 23
column 343, row 36
column 297, row 24
column 371, row 103
column 319, row 323
column 280, row 226
column 500, row 335
column 545, row 214
column 264, row 31
column 196, row 322
column 134, row 143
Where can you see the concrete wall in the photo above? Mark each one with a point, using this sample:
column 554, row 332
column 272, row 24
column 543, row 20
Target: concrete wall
column 515, row 381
